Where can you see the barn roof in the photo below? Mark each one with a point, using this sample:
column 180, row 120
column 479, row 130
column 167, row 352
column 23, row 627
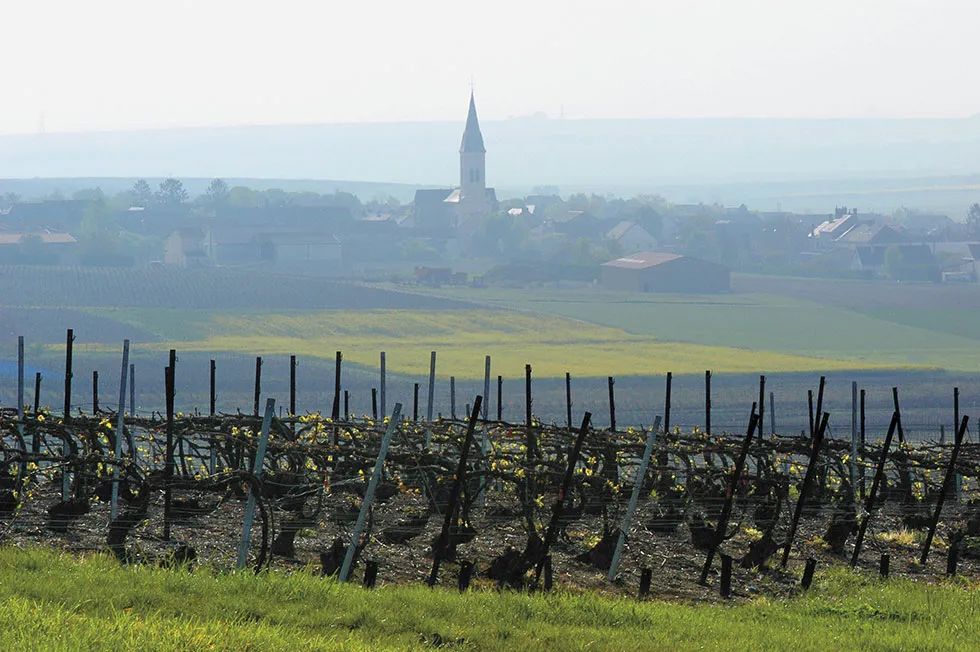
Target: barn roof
column 642, row 260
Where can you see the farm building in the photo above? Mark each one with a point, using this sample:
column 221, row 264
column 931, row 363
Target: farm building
column 652, row 271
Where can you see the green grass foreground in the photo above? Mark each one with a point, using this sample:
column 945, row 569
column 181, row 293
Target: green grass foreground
column 59, row 602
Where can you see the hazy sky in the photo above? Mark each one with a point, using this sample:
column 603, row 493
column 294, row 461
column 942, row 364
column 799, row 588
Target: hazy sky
column 106, row 64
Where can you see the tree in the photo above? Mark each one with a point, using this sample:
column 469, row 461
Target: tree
column 171, row 192
column 973, row 219
column 217, row 194
column 89, row 194
column 142, row 193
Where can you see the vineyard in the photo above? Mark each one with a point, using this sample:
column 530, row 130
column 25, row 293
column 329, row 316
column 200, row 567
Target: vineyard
column 526, row 505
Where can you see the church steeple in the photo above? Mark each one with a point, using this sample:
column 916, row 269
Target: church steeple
column 472, row 160
column 472, row 138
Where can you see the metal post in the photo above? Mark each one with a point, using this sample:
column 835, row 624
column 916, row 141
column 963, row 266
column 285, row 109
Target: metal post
column 214, row 388
column 20, row 405
column 292, row 385
column 69, row 340
column 270, row 408
column 947, row 481
column 369, row 493
column 95, row 392
column 500, row 398
column 811, row 467
column 132, row 392
column 612, row 404
column 641, row 473
column 670, row 377
column 36, row 436
column 875, row 483
column 120, row 428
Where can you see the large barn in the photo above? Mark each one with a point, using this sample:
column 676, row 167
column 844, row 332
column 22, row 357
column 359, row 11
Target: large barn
column 652, row 271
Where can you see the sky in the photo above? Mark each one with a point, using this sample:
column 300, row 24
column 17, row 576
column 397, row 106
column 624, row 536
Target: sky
column 132, row 64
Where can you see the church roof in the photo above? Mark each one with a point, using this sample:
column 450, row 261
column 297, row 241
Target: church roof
column 472, row 138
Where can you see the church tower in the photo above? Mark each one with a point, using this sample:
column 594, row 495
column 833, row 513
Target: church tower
column 472, row 161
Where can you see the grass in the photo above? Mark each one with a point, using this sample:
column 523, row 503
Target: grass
column 551, row 344
column 52, row 601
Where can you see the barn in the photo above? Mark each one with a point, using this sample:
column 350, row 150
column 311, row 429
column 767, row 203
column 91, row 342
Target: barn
column 652, row 271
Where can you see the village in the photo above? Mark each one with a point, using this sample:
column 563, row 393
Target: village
column 466, row 235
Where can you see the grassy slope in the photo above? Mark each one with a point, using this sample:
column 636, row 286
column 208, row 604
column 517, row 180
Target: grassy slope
column 552, row 344
column 58, row 602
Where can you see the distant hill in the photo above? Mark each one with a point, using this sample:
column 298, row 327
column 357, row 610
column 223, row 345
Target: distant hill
column 799, row 163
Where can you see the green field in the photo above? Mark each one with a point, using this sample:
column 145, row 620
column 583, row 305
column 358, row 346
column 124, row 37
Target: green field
column 57, row 602
column 551, row 344
column 873, row 324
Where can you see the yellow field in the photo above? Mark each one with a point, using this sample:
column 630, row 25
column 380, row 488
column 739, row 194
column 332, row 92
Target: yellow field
column 552, row 345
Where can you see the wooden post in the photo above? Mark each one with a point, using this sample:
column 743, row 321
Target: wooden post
column 947, row 481
column 69, row 340
column 612, row 405
column 863, row 424
column 370, row 574
column 132, row 391
column 645, row 576
column 120, row 428
column 568, row 399
column 875, row 483
column 336, row 391
column 811, row 566
column 168, row 464
column 257, row 392
column 559, row 506
column 465, row 575
column 452, row 397
column 725, row 586
column 443, row 542
column 670, row 377
column 214, row 390
column 531, row 443
column 730, row 494
column 368, row 500
column 707, row 402
column 432, row 387
column 270, row 409
column 952, row 557
column 852, row 462
column 762, row 404
column 641, row 473
column 346, row 405
column 809, row 401
column 883, row 565
column 500, row 398
column 381, row 386
column 95, row 392
column 486, row 388
column 772, row 414
column 903, row 466
column 805, row 489
column 415, row 403
column 292, row 385
column 820, row 389
column 37, row 392
column 20, row 412
column 374, row 403
column 957, row 479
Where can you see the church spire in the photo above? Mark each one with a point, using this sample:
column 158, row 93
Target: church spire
column 472, row 138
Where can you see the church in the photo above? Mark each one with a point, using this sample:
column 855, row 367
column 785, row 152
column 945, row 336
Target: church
column 443, row 211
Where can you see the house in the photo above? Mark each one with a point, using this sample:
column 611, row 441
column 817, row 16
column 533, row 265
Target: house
column 630, row 237
column 184, row 247
column 286, row 249
column 578, row 224
column 56, row 215
column 37, row 247
column 872, row 235
column 653, row 271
